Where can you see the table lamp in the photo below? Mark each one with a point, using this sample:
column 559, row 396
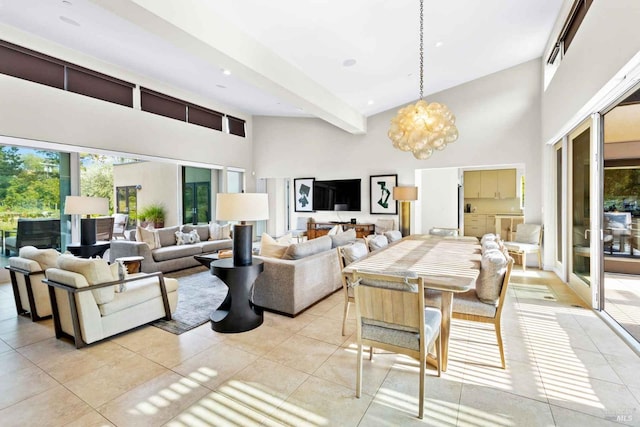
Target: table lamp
column 405, row 195
column 84, row 205
column 242, row 207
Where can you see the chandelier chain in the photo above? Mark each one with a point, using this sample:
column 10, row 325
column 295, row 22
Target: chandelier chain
column 421, row 46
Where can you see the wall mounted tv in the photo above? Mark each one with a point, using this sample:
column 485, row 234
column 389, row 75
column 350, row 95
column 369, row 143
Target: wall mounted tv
column 336, row 195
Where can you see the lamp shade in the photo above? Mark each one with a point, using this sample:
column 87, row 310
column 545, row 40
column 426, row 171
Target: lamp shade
column 242, row 206
column 405, row 193
column 83, row 205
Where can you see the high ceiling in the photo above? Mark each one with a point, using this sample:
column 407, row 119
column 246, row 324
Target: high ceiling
column 291, row 57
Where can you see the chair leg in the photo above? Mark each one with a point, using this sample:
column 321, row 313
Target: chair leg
column 439, row 353
column 524, row 261
column 344, row 318
column 371, row 353
column 359, row 371
column 500, row 345
column 539, row 260
column 421, row 397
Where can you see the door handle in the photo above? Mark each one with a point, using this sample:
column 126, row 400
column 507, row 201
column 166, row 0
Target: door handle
column 587, row 231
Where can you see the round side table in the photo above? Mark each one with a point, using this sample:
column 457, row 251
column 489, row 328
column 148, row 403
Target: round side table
column 133, row 264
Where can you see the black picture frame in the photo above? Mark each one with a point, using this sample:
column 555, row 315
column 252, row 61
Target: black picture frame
column 381, row 194
column 303, row 194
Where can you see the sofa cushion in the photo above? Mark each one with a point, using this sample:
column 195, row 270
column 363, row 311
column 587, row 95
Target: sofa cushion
column 219, row 232
column 214, row 245
column 173, row 252
column 187, row 238
column 95, row 271
column 138, row 291
column 336, row 229
column 270, row 247
column 167, row 235
column 492, row 271
column 310, row 247
column 150, row 237
column 202, row 230
column 45, row 257
column 343, row 238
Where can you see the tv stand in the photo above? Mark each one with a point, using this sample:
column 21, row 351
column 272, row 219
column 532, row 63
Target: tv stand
column 317, row 229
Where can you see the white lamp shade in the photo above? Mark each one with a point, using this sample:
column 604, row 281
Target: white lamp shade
column 83, row 205
column 405, row 193
column 242, row 206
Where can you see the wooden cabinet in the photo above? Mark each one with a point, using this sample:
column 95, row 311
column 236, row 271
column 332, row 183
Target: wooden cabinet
column 479, row 224
column 505, row 226
column 472, row 184
column 317, row 229
column 490, row 184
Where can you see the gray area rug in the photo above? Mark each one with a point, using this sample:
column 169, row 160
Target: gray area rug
column 199, row 293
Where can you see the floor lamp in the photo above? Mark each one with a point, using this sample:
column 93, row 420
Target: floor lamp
column 405, row 195
column 84, row 205
column 242, row 207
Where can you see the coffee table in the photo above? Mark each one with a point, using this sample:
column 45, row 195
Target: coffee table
column 207, row 259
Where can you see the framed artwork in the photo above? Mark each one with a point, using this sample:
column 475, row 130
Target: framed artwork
column 381, row 201
column 303, row 194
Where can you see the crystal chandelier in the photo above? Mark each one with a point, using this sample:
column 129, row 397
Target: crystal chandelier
column 423, row 127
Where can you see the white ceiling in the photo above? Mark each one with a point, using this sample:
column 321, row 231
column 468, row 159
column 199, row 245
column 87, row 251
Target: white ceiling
column 286, row 56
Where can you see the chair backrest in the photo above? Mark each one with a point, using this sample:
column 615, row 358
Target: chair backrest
column 529, row 233
column 104, row 227
column 383, row 225
column 393, row 299
column 301, row 222
column 41, row 233
column 120, row 221
column 348, row 254
column 442, row 231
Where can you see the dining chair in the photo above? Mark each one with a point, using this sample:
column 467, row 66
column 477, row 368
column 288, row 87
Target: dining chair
column 391, row 315
column 528, row 240
column 346, row 255
column 120, row 221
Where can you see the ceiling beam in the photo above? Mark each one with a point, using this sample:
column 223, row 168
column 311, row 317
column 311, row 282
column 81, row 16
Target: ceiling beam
column 193, row 27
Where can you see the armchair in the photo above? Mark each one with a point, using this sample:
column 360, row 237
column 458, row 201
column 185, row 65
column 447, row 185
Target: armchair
column 301, row 228
column 91, row 300
column 104, row 228
column 120, row 222
column 528, row 241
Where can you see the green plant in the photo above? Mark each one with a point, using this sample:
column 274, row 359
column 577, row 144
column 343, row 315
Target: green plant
column 154, row 212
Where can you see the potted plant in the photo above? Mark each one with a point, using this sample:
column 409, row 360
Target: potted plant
column 154, row 214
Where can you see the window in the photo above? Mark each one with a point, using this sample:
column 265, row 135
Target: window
column 570, row 28
column 236, row 126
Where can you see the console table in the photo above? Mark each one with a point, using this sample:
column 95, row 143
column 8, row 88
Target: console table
column 237, row 313
column 317, row 229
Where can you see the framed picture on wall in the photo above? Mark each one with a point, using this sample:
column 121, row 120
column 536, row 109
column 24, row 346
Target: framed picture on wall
column 303, row 194
column 381, row 187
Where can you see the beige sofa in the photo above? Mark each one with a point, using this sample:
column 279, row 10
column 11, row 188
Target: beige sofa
column 92, row 300
column 289, row 286
column 169, row 256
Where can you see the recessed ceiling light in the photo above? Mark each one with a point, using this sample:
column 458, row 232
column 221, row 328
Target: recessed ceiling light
column 410, row 75
column 221, row 86
column 349, row 62
column 439, row 44
column 69, row 21
column 226, row 72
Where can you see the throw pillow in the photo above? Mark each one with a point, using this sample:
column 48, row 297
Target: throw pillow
column 150, row 237
column 343, row 238
column 488, row 237
column 354, row 252
column 45, row 257
column 336, row 229
column 219, row 232
column 270, row 247
column 189, row 238
column 202, row 230
column 492, row 271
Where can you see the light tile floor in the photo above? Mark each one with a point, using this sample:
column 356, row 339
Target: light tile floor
column 565, row 367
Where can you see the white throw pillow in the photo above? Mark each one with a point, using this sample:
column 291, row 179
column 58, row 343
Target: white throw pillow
column 95, row 271
column 377, row 241
column 270, row 247
column 354, row 252
column 150, row 237
column 492, row 271
column 45, row 257
column 393, row 235
column 187, row 238
column 337, row 229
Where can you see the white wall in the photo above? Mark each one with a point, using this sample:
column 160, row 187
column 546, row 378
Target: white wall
column 437, row 204
column 498, row 118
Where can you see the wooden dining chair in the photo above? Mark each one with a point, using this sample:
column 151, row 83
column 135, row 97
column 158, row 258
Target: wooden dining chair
column 346, row 255
column 391, row 315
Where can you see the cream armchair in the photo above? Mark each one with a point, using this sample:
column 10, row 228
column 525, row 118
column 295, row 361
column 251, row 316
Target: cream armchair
column 528, row 240
column 91, row 300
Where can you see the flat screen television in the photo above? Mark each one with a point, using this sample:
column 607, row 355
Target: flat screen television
column 336, row 195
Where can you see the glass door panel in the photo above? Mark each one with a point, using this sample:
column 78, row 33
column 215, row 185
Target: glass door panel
column 580, row 220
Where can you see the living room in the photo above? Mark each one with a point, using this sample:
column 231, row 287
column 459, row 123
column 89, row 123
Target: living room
column 508, row 118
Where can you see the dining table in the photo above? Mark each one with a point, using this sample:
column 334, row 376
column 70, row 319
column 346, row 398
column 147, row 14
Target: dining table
column 447, row 264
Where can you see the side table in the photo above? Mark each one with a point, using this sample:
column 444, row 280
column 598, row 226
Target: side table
column 237, row 313
column 88, row 251
column 133, row 264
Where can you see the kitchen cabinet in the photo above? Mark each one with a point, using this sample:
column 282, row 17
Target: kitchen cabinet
column 479, row 224
column 490, row 184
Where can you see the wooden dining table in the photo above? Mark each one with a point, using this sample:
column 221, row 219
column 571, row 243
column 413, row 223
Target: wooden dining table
column 447, row 264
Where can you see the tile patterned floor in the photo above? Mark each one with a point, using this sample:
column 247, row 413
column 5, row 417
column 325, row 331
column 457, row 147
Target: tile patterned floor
column 565, row 367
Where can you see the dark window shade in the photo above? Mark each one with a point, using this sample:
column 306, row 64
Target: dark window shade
column 18, row 63
column 203, row 117
column 96, row 86
column 236, row 126
column 156, row 103
column 570, row 27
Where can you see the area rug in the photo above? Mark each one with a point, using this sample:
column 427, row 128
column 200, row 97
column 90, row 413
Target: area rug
column 199, row 293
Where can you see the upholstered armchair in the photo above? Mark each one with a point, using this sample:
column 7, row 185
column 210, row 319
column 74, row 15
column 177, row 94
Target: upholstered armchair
column 92, row 300
column 528, row 240
column 120, row 222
